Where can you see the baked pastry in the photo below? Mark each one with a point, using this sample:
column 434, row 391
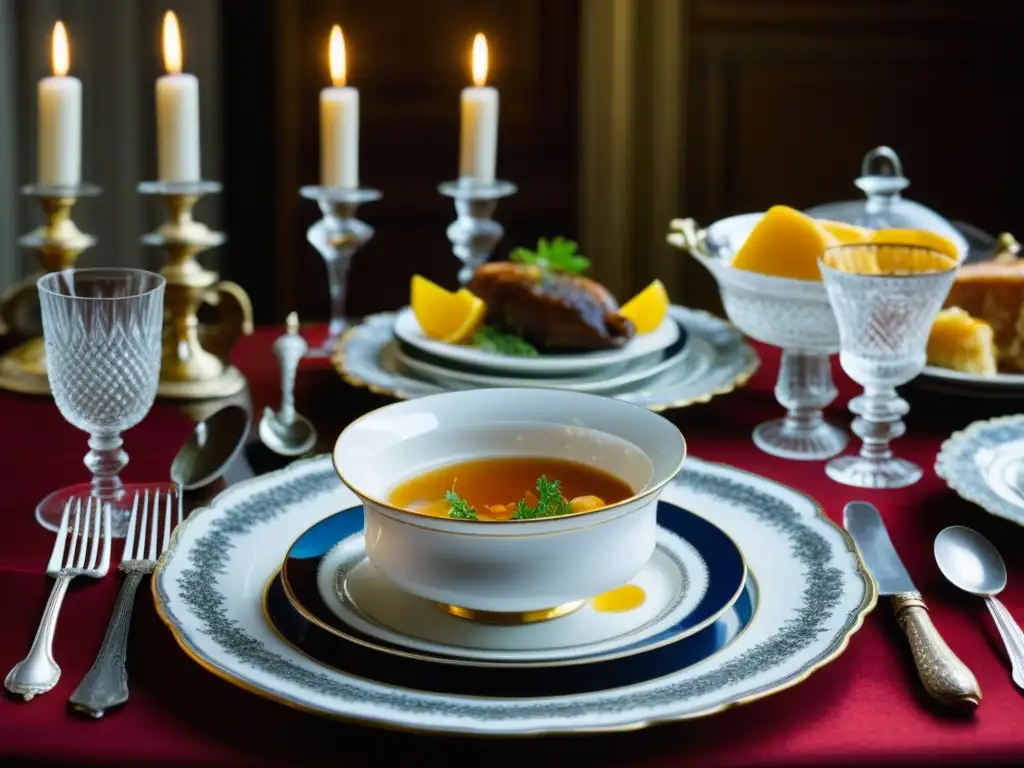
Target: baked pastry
column 962, row 343
column 994, row 292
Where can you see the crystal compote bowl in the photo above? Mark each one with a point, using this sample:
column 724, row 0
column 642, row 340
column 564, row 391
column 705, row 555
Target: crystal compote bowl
column 794, row 315
column 102, row 330
column 885, row 299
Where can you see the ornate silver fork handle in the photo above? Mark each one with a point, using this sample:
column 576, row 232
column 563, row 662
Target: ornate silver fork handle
column 105, row 685
column 1013, row 637
column 38, row 672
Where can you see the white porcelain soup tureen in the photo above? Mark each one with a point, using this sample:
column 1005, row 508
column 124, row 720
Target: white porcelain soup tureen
column 515, row 566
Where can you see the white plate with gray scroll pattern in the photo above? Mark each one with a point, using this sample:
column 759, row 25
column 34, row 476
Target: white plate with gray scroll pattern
column 813, row 594
column 984, row 463
column 717, row 361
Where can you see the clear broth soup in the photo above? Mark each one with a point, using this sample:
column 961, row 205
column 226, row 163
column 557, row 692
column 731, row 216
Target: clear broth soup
column 510, row 489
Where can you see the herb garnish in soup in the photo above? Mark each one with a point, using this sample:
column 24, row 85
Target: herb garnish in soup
column 525, row 488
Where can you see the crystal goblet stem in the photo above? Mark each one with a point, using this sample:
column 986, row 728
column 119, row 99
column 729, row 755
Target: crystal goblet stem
column 102, row 329
column 804, row 388
column 885, row 299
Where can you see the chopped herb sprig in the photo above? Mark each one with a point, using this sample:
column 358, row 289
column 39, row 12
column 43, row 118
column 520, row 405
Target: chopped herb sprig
column 556, row 255
column 491, row 339
column 460, row 507
column 550, row 502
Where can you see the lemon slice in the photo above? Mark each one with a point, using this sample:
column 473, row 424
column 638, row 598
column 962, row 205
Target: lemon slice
column 648, row 308
column 445, row 316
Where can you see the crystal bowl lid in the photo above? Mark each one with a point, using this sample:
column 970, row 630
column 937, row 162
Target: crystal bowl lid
column 882, row 181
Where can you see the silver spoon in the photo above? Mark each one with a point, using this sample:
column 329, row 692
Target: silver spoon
column 287, row 432
column 969, row 561
column 211, row 447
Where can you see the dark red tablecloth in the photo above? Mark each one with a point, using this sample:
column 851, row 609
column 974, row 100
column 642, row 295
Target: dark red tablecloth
column 867, row 707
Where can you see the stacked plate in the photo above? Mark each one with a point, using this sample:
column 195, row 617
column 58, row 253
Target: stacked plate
column 690, row 357
column 750, row 589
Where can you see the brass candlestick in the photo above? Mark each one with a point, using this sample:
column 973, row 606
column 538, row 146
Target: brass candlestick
column 57, row 243
column 194, row 364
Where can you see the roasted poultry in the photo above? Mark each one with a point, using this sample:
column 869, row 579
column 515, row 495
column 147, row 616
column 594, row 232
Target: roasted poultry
column 555, row 312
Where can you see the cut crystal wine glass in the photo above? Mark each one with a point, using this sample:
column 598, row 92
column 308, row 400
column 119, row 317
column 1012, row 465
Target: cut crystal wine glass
column 885, row 299
column 102, row 330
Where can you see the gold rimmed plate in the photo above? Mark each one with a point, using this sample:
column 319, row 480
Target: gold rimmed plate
column 694, row 577
column 813, row 594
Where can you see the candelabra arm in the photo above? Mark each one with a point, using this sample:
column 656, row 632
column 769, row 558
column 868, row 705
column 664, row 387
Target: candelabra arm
column 474, row 234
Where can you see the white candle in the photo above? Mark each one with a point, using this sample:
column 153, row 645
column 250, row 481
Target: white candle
column 478, row 145
column 339, row 122
column 177, row 113
column 59, row 102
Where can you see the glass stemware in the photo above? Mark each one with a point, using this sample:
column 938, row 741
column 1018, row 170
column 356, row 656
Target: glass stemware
column 102, row 330
column 885, row 299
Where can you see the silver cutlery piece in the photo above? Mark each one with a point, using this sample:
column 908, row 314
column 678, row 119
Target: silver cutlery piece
column 287, row 432
column 211, row 447
column 38, row 673
column 105, row 685
column 945, row 677
column 971, row 562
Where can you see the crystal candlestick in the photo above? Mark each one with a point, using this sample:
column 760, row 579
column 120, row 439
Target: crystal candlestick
column 474, row 233
column 194, row 360
column 57, row 243
column 337, row 236
column 885, row 299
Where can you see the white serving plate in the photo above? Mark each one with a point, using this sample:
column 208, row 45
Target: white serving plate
column 813, row 594
column 408, row 331
column 603, row 380
column 719, row 361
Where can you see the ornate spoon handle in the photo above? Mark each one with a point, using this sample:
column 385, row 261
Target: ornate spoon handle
column 105, row 685
column 1013, row 637
column 38, row 672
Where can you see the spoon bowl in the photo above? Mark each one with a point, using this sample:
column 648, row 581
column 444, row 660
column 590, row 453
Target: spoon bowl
column 212, row 446
column 969, row 561
column 287, row 439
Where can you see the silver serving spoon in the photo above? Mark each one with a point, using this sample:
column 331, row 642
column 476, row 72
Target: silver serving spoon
column 212, row 446
column 288, row 432
column 969, row 561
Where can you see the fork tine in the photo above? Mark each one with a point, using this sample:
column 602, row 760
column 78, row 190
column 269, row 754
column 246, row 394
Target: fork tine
column 151, row 554
column 129, row 538
column 167, row 527
column 95, row 548
column 73, row 543
column 104, row 562
column 57, row 556
column 140, row 547
column 83, row 540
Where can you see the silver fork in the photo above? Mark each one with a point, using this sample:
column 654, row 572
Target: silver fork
column 105, row 685
column 38, row 672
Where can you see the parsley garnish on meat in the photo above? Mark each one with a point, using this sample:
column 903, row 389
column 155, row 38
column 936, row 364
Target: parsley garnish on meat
column 460, row 507
column 557, row 255
column 491, row 339
column 550, row 502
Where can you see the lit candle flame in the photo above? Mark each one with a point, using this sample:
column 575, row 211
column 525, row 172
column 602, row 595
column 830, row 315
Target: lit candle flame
column 479, row 60
column 172, row 44
column 336, row 56
column 61, row 52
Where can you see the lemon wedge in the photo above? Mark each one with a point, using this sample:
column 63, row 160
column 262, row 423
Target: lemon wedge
column 445, row 316
column 648, row 308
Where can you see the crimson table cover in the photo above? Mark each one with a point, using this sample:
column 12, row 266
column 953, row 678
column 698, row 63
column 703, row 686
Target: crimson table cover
column 866, row 707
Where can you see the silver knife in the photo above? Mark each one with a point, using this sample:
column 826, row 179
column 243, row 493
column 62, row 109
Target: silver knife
column 945, row 677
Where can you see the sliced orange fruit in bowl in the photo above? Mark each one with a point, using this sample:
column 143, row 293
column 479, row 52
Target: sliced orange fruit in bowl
column 919, row 237
column 449, row 317
column 648, row 308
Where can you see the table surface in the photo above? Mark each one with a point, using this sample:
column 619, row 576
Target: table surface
column 865, row 707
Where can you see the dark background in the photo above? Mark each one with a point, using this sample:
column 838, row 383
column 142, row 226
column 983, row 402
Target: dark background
column 782, row 100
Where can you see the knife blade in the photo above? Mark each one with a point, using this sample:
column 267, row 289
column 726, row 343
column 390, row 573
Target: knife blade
column 945, row 677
